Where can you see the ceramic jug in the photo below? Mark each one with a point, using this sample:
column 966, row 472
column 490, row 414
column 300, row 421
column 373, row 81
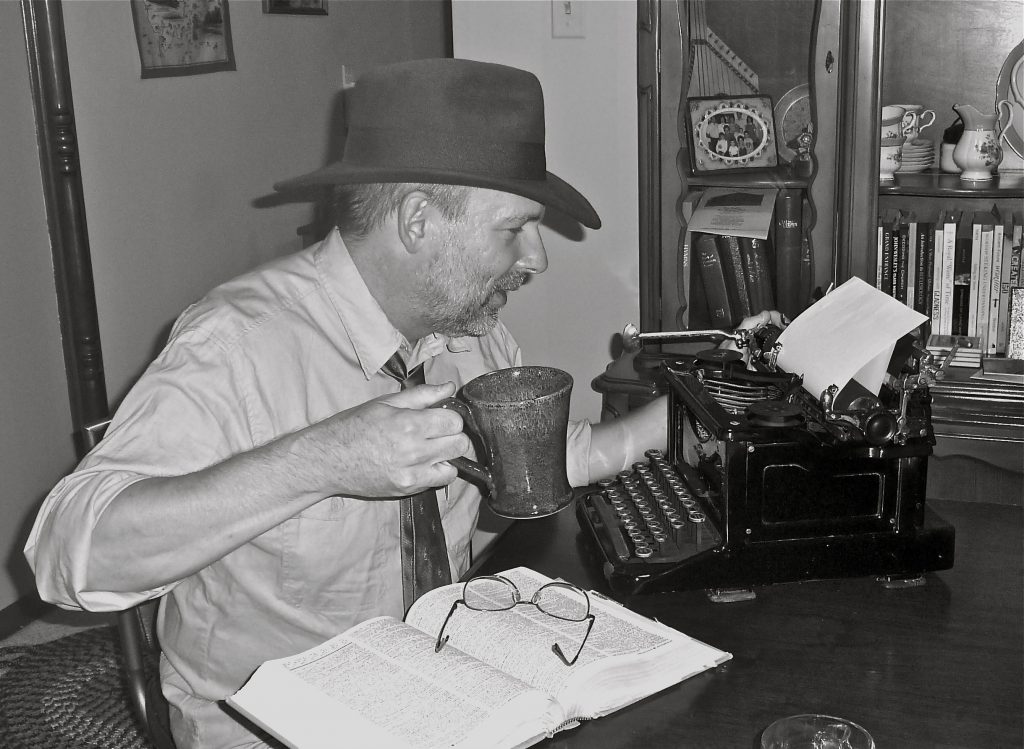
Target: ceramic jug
column 978, row 152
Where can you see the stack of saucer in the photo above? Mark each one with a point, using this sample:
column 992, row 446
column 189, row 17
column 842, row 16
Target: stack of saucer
column 918, row 155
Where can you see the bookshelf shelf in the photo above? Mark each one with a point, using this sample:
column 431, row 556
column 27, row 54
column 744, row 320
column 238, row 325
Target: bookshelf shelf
column 932, row 184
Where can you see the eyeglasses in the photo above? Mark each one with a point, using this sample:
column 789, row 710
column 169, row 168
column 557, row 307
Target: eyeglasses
column 496, row 593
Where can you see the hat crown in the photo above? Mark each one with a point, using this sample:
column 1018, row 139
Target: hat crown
column 461, row 97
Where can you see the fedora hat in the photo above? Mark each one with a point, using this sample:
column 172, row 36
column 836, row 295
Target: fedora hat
column 452, row 122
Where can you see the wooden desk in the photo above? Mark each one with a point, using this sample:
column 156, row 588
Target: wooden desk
column 935, row 666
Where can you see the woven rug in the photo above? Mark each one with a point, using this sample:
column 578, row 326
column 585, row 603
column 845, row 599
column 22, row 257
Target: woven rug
column 67, row 694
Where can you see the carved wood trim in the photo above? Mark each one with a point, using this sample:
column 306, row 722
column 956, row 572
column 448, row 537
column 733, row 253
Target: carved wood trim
column 50, row 80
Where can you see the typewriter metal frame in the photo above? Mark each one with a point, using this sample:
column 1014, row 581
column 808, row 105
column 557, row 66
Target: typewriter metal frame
column 787, row 497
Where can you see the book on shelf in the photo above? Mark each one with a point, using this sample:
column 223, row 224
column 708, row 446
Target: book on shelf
column 756, row 265
column 991, row 339
column 982, row 229
column 925, row 273
column 712, row 282
column 496, row 682
column 889, row 223
column 788, row 243
column 912, row 263
column 1011, row 277
column 901, row 258
column 950, row 223
column 936, row 251
column 962, row 260
column 684, row 262
column 735, row 276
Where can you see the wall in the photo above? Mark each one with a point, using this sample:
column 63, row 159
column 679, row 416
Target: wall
column 35, row 448
column 568, row 316
column 173, row 170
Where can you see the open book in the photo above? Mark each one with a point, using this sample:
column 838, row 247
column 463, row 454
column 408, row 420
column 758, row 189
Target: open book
column 496, row 683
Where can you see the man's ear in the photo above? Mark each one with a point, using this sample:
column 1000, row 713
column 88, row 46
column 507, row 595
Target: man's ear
column 414, row 215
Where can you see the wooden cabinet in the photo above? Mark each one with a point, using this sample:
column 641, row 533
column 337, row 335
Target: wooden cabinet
column 857, row 55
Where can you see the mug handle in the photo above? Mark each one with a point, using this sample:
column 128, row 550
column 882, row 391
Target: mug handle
column 468, row 469
column 920, row 119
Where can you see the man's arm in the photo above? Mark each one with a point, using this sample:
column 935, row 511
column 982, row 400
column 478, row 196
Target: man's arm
column 159, row 530
column 616, row 444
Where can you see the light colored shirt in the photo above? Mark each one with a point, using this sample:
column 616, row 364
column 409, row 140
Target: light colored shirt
column 264, row 355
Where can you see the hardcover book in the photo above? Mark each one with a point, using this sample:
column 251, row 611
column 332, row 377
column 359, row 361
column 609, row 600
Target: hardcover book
column 495, row 683
column 735, row 276
column 713, row 283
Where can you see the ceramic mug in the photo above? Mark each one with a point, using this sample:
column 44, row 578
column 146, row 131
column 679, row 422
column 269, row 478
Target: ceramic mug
column 892, row 112
column 518, row 418
column 946, row 162
column 914, row 116
column 892, row 129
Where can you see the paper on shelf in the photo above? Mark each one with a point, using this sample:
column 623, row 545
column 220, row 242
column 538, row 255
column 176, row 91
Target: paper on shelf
column 735, row 211
column 849, row 334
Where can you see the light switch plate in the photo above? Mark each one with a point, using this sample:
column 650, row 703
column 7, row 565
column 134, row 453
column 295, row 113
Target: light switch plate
column 568, row 19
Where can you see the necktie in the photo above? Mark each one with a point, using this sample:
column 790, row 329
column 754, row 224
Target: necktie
column 424, row 553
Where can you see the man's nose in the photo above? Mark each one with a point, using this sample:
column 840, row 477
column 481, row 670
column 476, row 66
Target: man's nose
column 533, row 258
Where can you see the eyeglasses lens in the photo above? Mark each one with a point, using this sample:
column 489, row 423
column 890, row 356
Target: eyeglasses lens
column 563, row 601
column 490, row 594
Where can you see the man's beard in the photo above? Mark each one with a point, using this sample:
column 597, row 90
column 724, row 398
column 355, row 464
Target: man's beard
column 456, row 297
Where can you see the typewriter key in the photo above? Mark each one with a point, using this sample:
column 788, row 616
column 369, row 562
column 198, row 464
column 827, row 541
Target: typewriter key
column 644, row 552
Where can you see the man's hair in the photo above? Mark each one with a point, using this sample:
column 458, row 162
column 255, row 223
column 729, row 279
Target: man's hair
column 362, row 208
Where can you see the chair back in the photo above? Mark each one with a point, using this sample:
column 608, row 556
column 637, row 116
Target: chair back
column 140, row 652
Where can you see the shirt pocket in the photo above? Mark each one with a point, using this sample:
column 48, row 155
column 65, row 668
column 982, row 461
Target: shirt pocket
column 338, row 554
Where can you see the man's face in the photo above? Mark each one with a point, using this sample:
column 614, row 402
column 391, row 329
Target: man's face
column 483, row 255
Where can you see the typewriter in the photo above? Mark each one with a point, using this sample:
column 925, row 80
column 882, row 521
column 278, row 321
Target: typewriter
column 763, row 483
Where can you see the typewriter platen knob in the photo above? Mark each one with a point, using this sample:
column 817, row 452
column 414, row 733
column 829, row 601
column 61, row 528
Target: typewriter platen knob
column 769, row 413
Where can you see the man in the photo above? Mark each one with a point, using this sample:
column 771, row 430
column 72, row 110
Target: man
column 251, row 476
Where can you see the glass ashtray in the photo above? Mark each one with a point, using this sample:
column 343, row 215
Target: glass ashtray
column 813, row 731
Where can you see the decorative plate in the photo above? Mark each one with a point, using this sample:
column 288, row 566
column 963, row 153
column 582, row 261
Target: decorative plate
column 792, row 117
column 1010, row 86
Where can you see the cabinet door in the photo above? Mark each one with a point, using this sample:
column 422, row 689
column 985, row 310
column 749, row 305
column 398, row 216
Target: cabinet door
column 785, row 50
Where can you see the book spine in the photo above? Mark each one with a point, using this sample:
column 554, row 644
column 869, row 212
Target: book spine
column 912, row 271
column 995, row 284
column 1011, row 277
column 946, row 287
column 788, row 252
column 879, row 250
column 902, row 258
column 712, row 277
column 984, row 298
column 962, row 279
column 972, row 309
column 936, row 311
column 758, row 272
column 925, row 269
column 735, row 278
column 887, row 258
column 1016, row 261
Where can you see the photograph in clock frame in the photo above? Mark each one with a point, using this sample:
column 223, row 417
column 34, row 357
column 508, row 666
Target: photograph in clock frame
column 731, row 133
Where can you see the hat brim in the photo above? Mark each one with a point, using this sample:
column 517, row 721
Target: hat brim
column 553, row 191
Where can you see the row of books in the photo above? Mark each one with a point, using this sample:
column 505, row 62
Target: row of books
column 957, row 267
column 733, row 277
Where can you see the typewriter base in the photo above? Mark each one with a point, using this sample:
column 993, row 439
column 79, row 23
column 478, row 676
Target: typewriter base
column 925, row 549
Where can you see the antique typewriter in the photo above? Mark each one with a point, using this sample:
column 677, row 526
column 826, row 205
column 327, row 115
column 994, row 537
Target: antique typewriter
column 763, row 483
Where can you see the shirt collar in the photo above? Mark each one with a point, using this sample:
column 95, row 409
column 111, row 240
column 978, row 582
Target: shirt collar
column 374, row 339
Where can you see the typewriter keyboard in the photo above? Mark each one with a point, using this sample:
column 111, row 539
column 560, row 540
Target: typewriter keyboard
column 648, row 514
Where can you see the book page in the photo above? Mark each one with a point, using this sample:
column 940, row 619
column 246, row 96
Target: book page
column 384, row 678
column 627, row 655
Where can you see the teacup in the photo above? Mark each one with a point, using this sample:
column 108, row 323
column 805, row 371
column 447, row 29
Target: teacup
column 890, row 158
column 892, row 129
column 519, row 418
column 914, row 117
column 893, row 112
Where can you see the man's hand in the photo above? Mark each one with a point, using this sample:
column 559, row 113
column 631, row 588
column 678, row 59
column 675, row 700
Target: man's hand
column 390, row 446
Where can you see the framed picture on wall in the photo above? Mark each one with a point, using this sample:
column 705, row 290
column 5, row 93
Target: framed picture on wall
column 182, row 37
column 731, row 134
column 296, row 7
